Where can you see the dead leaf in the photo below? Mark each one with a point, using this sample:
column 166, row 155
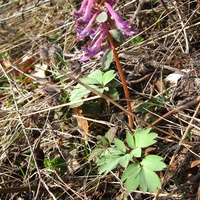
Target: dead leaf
column 195, row 163
column 82, row 122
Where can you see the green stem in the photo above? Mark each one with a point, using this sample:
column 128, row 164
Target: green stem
column 121, row 74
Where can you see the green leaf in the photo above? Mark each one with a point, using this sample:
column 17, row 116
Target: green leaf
column 61, row 59
column 90, row 81
column 118, row 35
column 137, row 152
column 109, row 160
column 96, row 153
column 130, row 140
column 124, row 160
column 153, row 162
column 132, row 183
column 120, row 145
column 98, row 76
column 137, row 39
column 143, row 107
column 143, row 138
column 107, row 59
column 131, row 175
column 149, row 180
column 77, row 94
column 113, row 93
column 132, row 169
column 102, row 17
column 108, row 165
column 108, row 76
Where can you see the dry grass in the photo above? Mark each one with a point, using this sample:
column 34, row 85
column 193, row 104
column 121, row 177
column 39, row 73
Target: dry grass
column 36, row 122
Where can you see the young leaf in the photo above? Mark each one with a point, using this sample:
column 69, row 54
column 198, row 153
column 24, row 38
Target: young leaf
column 130, row 140
column 107, row 59
column 117, row 34
column 147, row 140
column 109, row 165
column 132, row 183
column 96, row 153
column 77, row 94
column 131, row 177
column 149, row 180
column 137, row 152
column 137, row 39
column 120, row 145
column 153, row 162
column 130, row 170
column 97, row 75
column 113, row 93
column 102, row 17
column 89, row 80
column 109, row 160
column 143, row 138
column 108, row 76
column 124, row 160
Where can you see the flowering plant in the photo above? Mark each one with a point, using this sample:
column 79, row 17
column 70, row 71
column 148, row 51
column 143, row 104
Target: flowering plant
column 98, row 21
column 97, row 31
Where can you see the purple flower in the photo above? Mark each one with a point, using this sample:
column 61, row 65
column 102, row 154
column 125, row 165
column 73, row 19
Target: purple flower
column 97, row 31
column 87, row 12
column 82, row 8
column 96, row 47
column 123, row 25
column 87, row 30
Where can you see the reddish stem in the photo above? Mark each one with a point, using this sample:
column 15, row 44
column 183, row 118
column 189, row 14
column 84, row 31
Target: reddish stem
column 121, row 74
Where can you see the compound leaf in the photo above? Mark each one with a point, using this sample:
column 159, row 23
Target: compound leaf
column 97, row 75
column 132, row 169
column 149, row 180
column 153, row 162
column 131, row 176
column 108, row 76
column 108, row 164
column 124, row 160
column 120, row 145
column 137, row 152
column 143, row 138
column 130, row 140
column 89, row 80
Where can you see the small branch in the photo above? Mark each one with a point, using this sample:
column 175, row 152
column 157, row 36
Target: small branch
column 171, row 112
column 126, row 92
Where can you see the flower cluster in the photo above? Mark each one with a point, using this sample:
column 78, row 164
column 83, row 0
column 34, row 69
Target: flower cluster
column 97, row 31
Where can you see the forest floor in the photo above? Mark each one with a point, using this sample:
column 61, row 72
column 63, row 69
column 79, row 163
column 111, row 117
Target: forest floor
column 45, row 143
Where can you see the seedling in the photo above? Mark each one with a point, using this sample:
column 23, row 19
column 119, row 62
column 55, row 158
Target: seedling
column 137, row 173
column 97, row 80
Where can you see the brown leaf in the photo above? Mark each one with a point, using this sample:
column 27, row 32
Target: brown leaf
column 82, row 122
column 195, row 163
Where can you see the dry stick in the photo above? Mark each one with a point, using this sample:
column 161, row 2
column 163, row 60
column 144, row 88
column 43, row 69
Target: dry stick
column 126, row 92
column 197, row 100
column 137, row 11
column 20, row 189
column 187, row 105
column 27, row 139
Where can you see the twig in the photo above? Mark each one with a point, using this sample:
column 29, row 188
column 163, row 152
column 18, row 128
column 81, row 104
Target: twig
column 137, row 11
column 197, row 100
column 20, row 189
column 27, row 139
column 191, row 180
column 171, row 112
